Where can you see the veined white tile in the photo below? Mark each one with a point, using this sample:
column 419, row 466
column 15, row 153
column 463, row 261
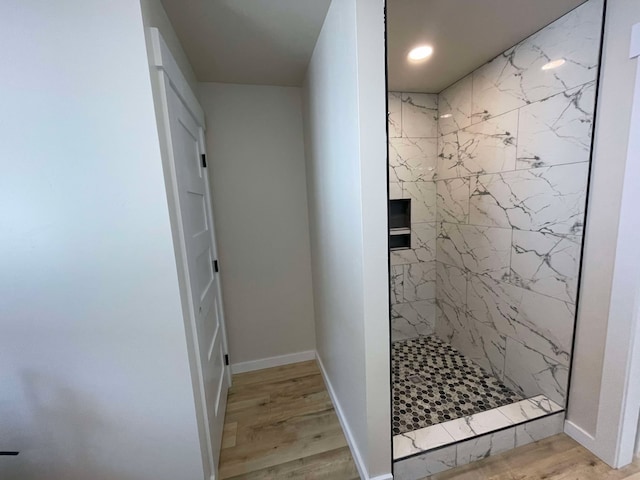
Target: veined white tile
column 451, row 245
column 485, row 446
column 394, row 117
column 483, row 345
column 480, row 250
column 423, row 241
column 423, row 246
column 546, row 263
column 557, row 130
column 531, row 373
column 454, row 106
column 543, row 324
column 473, row 425
column 396, row 284
column 494, row 303
column 412, row 319
column 420, row 281
column 395, row 191
column 423, row 200
column 450, row 321
column 419, row 115
column 420, row 441
column 451, row 284
column 515, row 78
column 479, row 343
column 393, row 176
column 541, row 402
column 550, row 199
column 546, row 325
column 452, row 200
column 530, row 409
column 412, row 159
column 538, row 429
column 403, row 446
column 403, row 257
column 485, row 147
column 429, row 463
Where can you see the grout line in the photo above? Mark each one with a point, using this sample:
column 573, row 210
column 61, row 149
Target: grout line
column 516, row 108
column 514, row 170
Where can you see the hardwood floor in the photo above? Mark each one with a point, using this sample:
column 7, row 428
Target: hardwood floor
column 554, row 458
column 280, row 424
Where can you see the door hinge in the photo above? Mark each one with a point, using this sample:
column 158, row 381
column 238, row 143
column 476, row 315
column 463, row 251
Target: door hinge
column 203, row 157
column 226, row 359
column 215, row 266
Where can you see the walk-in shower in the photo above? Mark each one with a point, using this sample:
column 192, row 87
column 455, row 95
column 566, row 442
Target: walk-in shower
column 494, row 172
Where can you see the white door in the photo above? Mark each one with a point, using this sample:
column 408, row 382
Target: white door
column 196, row 230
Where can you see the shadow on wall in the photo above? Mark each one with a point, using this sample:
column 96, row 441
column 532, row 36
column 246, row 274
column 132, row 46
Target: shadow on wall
column 71, row 429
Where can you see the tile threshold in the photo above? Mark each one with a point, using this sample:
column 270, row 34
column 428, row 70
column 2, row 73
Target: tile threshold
column 454, row 431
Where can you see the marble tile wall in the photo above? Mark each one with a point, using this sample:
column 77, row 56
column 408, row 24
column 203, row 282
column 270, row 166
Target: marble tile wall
column 449, row 456
column 511, row 177
column 515, row 416
column 413, row 151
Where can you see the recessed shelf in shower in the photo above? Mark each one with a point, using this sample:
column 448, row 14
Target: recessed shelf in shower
column 400, row 224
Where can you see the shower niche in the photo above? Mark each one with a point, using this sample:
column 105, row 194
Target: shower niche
column 400, row 224
column 488, row 178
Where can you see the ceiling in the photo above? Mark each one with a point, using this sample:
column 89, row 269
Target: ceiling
column 270, row 42
column 263, row 42
column 464, row 34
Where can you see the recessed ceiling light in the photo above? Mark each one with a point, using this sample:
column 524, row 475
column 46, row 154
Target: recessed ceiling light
column 553, row 64
column 420, row 53
column 446, row 115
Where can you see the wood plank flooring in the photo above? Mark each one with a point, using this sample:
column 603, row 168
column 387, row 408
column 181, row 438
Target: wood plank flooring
column 554, row 458
column 280, row 424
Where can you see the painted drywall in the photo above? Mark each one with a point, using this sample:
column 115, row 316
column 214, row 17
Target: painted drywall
column 620, row 390
column 345, row 145
column 370, row 28
column 637, row 447
column 95, row 377
column 613, row 114
column 257, row 176
column 154, row 15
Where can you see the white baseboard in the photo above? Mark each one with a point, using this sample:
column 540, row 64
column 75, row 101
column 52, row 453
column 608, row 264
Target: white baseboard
column 273, row 361
column 355, row 453
column 580, row 436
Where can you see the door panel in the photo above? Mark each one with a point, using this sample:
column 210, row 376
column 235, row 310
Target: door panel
column 193, row 197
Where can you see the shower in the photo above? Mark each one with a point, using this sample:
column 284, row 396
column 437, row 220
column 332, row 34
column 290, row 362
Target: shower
column 488, row 169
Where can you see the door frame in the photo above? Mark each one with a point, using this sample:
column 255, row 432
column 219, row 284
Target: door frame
column 170, row 76
column 619, row 406
column 618, row 409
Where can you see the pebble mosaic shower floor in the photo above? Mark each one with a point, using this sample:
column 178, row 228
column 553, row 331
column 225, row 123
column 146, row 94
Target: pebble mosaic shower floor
column 434, row 383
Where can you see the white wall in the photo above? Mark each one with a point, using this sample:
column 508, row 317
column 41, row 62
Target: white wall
column 154, row 15
column 345, row 138
column 257, row 175
column 95, row 376
column 637, row 447
column 603, row 216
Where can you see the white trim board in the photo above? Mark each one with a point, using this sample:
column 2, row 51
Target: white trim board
column 163, row 59
column 269, row 362
column 355, row 453
column 580, row 436
column 620, row 392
